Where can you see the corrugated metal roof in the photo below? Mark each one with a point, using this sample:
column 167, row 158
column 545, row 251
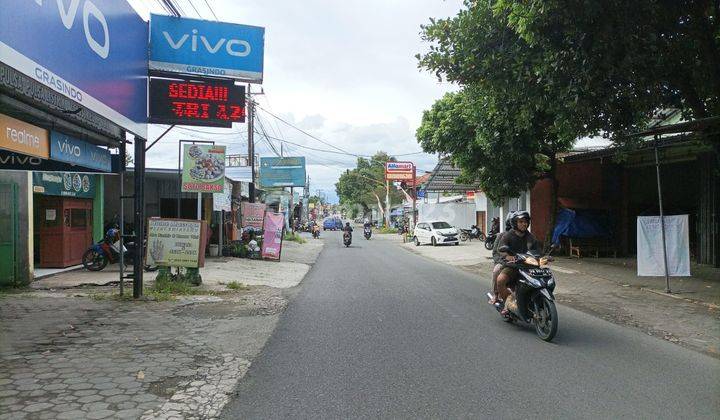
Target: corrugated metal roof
column 443, row 179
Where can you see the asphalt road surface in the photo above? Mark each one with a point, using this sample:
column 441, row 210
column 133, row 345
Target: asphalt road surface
column 378, row 332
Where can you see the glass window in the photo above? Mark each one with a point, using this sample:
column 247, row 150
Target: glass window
column 441, row 225
column 78, row 217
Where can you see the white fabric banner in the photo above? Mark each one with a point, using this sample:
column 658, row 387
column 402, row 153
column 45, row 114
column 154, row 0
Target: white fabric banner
column 650, row 261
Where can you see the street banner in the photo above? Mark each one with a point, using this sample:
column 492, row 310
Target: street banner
column 650, row 258
column 399, row 171
column 176, row 243
column 207, row 48
column 203, row 168
column 64, row 184
column 252, row 214
column 282, row 172
column 223, row 201
column 92, row 52
column 273, row 235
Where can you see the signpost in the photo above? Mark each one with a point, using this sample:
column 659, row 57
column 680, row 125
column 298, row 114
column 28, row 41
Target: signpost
column 176, row 243
column 219, row 49
column 208, row 103
column 399, row 171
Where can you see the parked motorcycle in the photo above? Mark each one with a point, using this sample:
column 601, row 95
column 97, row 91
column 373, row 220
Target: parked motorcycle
column 347, row 239
column 106, row 251
column 473, row 233
column 532, row 301
column 367, row 231
column 490, row 241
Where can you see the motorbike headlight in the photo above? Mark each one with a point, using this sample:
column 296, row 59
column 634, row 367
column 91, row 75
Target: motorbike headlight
column 531, row 261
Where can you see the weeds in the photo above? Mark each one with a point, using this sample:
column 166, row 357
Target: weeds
column 294, row 237
column 233, row 285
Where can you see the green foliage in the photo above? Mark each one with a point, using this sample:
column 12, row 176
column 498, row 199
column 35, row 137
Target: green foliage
column 294, row 237
column 387, row 230
column 234, row 285
column 363, row 185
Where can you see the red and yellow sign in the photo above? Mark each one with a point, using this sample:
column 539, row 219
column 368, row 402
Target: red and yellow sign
column 19, row 136
column 399, row 171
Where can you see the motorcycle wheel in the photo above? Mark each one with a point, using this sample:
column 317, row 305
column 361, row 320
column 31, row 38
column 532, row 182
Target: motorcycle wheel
column 463, row 236
column 94, row 261
column 546, row 327
column 489, row 245
column 481, row 237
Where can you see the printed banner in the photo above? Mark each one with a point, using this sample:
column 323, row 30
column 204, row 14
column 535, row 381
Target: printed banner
column 223, row 201
column 203, row 168
column 273, row 235
column 252, row 214
column 175, row 243
column 65, row 184
column 650, row 257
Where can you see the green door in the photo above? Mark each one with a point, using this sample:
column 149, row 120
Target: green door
column 8, row 233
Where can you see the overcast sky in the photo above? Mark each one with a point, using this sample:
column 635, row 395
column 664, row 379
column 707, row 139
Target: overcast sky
column 343, row 71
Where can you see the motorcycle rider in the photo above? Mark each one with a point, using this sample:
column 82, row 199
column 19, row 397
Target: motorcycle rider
column 520, row 241
column 348, row 229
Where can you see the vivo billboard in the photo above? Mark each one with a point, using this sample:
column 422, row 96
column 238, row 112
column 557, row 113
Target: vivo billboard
column 93, row 52
column 193, row 46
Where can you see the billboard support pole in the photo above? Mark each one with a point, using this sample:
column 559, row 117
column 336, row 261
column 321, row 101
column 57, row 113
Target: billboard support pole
column 251, row 143
column 414, row 198
column 139, row 217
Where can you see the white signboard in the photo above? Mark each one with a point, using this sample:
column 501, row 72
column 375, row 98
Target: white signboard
column 650, row 258
column 175, row 243
column 223, row 201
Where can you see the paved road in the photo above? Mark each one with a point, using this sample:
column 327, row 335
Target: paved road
column 378, row 332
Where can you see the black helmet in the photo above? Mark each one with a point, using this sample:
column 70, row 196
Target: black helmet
column 519, row 215
column 508, row 220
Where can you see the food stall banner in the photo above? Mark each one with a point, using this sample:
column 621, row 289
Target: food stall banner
column 252, row 214
column 203, row 168
column 273, row 235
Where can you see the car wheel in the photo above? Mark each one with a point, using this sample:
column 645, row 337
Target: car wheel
column 416, row 240
column 433, row 242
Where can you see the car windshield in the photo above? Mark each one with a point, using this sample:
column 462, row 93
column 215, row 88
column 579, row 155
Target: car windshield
column 441, row 225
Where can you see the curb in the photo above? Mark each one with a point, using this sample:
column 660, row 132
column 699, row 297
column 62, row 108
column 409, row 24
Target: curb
column 670, row 295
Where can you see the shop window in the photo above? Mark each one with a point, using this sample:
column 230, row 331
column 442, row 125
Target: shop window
column 78, row 218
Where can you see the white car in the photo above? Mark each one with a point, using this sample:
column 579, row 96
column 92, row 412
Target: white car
column 435, row 233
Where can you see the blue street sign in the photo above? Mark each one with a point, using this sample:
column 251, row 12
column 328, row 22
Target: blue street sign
column 77, row 152
column 421, row 194
column 194, row 46
column 282, row 172
column 93, row 52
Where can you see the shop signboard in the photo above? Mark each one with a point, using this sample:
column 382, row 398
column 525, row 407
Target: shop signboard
column 282, row 172
column 206, row 48
column 68, row 149
column 252, row 214
column 421, row 194
column 93, row 52
column 19, row 136
column 209, row 102
column 273, row 235
column 203, row 168
column 65, row 184
column 399, row 171
column 175, row 242
column 223, row 201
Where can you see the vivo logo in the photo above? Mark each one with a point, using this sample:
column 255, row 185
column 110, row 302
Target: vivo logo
column 89, row 10
column 70, row 149
column 14, row 159
column 234, row 47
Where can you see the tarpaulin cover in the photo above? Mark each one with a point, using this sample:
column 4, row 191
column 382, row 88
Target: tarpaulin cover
column 581, row 224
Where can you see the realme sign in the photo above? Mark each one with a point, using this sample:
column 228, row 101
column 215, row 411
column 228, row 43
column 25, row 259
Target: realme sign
column 21, row 137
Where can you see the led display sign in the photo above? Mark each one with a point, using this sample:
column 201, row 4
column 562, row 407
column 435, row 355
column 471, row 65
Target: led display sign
column 210, row 102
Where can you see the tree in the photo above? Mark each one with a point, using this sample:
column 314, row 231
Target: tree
column 364, row 186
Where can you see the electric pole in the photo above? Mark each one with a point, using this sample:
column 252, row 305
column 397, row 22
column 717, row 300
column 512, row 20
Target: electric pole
column 251, row 143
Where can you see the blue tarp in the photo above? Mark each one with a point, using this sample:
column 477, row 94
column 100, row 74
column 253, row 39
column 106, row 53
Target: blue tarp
column 582, row 224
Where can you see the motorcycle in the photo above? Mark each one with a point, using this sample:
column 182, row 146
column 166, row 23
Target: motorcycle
column 367, row 232
column 490, row 241
column 473, row 233
column 347, row 239
column 106, row 251
column 532, row 301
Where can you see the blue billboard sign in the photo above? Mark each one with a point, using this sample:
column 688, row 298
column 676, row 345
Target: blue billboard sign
column 194, row 46
column 282, row 172
column 77, row 152
column 93, row 52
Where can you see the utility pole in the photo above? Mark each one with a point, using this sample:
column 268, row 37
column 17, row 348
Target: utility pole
column 387, row 203
column 251, row 143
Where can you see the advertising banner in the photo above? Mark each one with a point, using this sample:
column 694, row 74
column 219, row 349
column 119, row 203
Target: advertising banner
column 209, row 103
column 19, row 136
column 194, row 46
column 399, row 171
column 273, row 235
column 252, row 214
column 203, row 168
column 70, row 150
column 65, row 184
column 175, row 243
column 223, row 201
column 650, row 256
column 93, row 52
column 282, row 172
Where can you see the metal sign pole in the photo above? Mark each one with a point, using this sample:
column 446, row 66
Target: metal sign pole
column 414, row 197
column 662, row 216
column 121, row 171
column 139, row 219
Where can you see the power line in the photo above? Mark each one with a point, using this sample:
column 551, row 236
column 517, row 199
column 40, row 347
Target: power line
column 211, row 10
column 196, row 10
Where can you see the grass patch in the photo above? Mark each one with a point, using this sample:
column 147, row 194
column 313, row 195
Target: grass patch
column 233, row 285
column 294, row 237
column 387, row 230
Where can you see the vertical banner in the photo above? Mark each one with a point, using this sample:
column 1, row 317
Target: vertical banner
column 650, row 258
column 273, row 235
column 252, row 214
column 223, row 201
column 203, row 168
